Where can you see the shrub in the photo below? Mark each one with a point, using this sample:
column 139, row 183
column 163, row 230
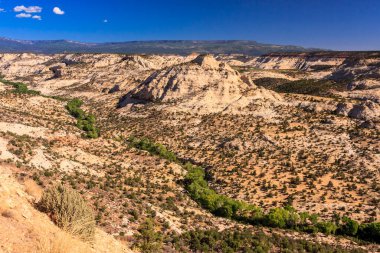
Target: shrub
column 153, row 148
column 73, row 106
column 197, row 186
column 245, row 240
column 69, row 211
column 370, row 232
column 148, row 240
column 349, row 227
column 327, row 227
column 20, row 88
column 84, row 122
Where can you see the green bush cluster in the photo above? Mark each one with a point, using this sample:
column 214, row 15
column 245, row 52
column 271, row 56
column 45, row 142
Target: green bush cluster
column 245, row 240
column 20, row 88
column 370, row 232
column 153, row 148
column 69, row 211
column 85, row 122
column 310, row 87
column 285, row 218
column 219, row 205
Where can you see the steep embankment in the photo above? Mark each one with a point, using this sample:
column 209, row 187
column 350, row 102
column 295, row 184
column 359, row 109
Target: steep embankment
column 25, row 229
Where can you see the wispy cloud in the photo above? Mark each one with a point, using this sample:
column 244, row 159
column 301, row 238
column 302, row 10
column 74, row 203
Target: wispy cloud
column 24, row 15
column 30, row 9
column 37, row 17
column 2, row 10
column 58, row 11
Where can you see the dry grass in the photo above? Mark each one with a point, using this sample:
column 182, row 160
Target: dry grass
column 33, row 189
column 69, row 211
column 63, row 243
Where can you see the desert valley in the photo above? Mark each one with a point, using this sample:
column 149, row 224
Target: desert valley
column 191, row 153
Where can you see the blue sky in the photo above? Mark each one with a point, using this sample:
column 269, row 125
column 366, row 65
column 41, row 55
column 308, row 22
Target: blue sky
column 334, row 24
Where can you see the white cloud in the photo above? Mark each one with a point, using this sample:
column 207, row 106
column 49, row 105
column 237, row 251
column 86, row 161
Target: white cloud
column 2, row 10
column 105, row 21
column 58, row 11
column 37, row 17
column 30, row 9
column 23, row 15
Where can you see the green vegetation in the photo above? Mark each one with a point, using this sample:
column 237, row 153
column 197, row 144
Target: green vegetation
column 20, row 88
column 246, row 241
column 286, row 218
column 219, row 205
column 270, row 83
column 310, row 87
column 148, row 239
column 69, row 211
column 153, row 148
column 370, row 232
column 305, row 86
column 85, row 122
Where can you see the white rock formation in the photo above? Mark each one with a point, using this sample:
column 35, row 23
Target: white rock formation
column 203, row 85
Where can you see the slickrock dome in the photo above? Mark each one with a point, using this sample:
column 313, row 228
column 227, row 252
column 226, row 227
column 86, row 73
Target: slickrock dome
column 204, row 84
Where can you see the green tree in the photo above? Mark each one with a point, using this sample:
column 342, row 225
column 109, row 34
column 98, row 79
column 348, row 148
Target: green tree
column 370, row 232
column 148, row 240
column 327, row 227
column 349, row 227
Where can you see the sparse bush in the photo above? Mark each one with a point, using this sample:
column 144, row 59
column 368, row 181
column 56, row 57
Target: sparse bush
column 69, row 211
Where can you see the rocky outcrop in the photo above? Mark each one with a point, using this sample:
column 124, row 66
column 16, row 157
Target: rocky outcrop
column 297, row 61
column 62, row 74
column 203, row 85
column 57, row 71
column 364, row 84
column 367, row 110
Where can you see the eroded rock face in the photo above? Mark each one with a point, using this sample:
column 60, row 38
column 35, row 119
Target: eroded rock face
column 368, row 110
column 202, row 74
column 203, row 84
column 298, row 61
column 62, row 74
column 342, row 109
column 365, row 111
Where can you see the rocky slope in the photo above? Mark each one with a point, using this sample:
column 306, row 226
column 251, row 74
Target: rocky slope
column 24, row 229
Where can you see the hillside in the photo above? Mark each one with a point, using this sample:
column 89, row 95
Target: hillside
column 197, row 153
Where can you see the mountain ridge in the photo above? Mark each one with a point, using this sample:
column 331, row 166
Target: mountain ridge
column 181, row 47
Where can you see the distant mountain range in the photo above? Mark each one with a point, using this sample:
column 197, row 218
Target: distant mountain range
column 182, row 47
